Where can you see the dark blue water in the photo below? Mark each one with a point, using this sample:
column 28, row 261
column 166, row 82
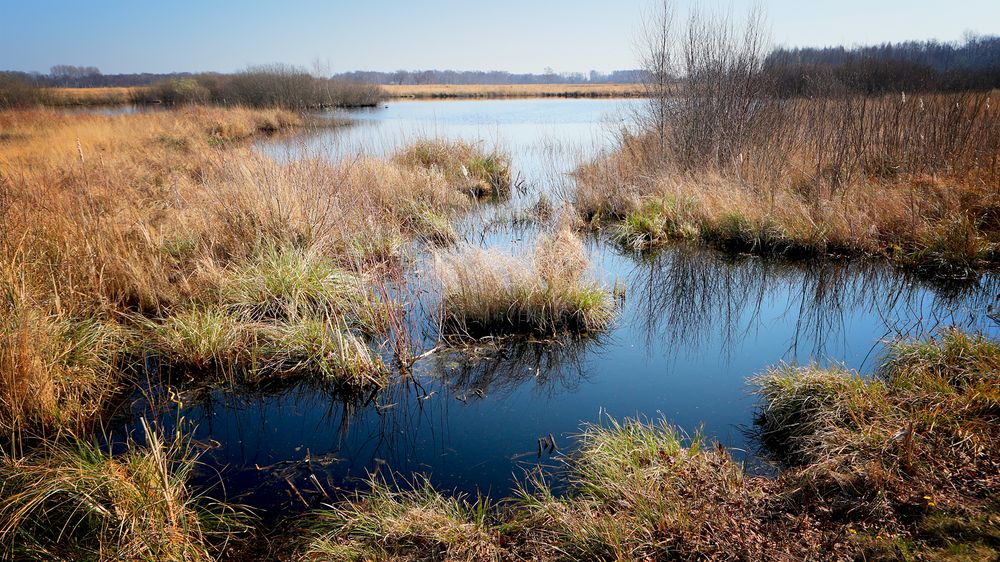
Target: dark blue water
column 694, row 325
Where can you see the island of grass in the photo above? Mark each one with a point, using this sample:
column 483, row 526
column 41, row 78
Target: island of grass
column 490, row 293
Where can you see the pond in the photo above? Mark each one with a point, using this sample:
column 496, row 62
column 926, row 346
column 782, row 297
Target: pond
column 695, row 324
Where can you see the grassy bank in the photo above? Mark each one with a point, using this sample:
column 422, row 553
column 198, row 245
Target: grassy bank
column 914, row 180
column 901, row 465
column 165, row 234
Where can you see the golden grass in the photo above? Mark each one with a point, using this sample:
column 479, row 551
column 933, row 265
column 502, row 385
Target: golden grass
column 876, row 176
column 91, row 96
column 486, row 292
column 183, row 240
column 444, row 91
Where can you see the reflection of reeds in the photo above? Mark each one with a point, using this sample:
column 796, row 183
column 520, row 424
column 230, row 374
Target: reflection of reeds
column 501, row 366
column 686, row 296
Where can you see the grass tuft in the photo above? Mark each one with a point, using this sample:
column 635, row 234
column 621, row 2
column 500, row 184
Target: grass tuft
column 388, row 523
column 73, row 500
column 470, row 170
column 486, row 292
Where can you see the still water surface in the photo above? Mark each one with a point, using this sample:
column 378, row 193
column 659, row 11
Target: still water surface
column 695, row 324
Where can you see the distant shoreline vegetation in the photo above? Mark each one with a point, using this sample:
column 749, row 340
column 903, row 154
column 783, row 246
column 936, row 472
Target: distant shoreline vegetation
column 912, row 67
column 273, row 86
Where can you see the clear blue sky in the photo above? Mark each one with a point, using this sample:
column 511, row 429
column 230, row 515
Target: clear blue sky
column 516, row 35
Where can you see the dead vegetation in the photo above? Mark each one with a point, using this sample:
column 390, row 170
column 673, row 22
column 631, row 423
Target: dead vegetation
column 718, row 157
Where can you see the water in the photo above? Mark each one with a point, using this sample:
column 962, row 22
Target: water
column 695, row 324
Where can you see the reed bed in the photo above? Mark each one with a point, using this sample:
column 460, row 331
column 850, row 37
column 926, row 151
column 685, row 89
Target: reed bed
column 914, row 179
column 486, row 292
column 718, row 157
column 113, row 95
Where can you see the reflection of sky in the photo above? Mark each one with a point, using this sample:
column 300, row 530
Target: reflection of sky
column 694, row 326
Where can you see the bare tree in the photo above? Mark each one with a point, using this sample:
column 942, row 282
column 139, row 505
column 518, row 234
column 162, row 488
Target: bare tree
column 657, row 45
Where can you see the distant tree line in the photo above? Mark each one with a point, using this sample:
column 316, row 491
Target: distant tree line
column 69, row 76
column 550, row 76
column 275, row 85
column 911, row 66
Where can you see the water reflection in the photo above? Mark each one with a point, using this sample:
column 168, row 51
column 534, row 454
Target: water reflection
column 687, row 296
column 694, row 326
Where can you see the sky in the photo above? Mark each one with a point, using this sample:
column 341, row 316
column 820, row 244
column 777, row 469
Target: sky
column 120, row 36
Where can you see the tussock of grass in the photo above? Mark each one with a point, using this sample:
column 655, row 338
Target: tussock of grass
column 75, row 501
column 925, row 427
column 199, row 337
column 431, row 226
column 472, row 171
column 56, row 371
column 486, row 292
column 643, row 491
column 319, row 347
column 387, row 523
column 287, row 283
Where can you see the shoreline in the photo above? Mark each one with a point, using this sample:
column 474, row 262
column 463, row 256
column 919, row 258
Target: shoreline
column 113, row 96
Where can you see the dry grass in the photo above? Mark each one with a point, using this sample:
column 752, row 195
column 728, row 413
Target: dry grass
column 182, row 240
column 486, row 292
column 91, row 96
column 875, row 177
column 75, row 501
column 445, row 91
column 56, row 370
